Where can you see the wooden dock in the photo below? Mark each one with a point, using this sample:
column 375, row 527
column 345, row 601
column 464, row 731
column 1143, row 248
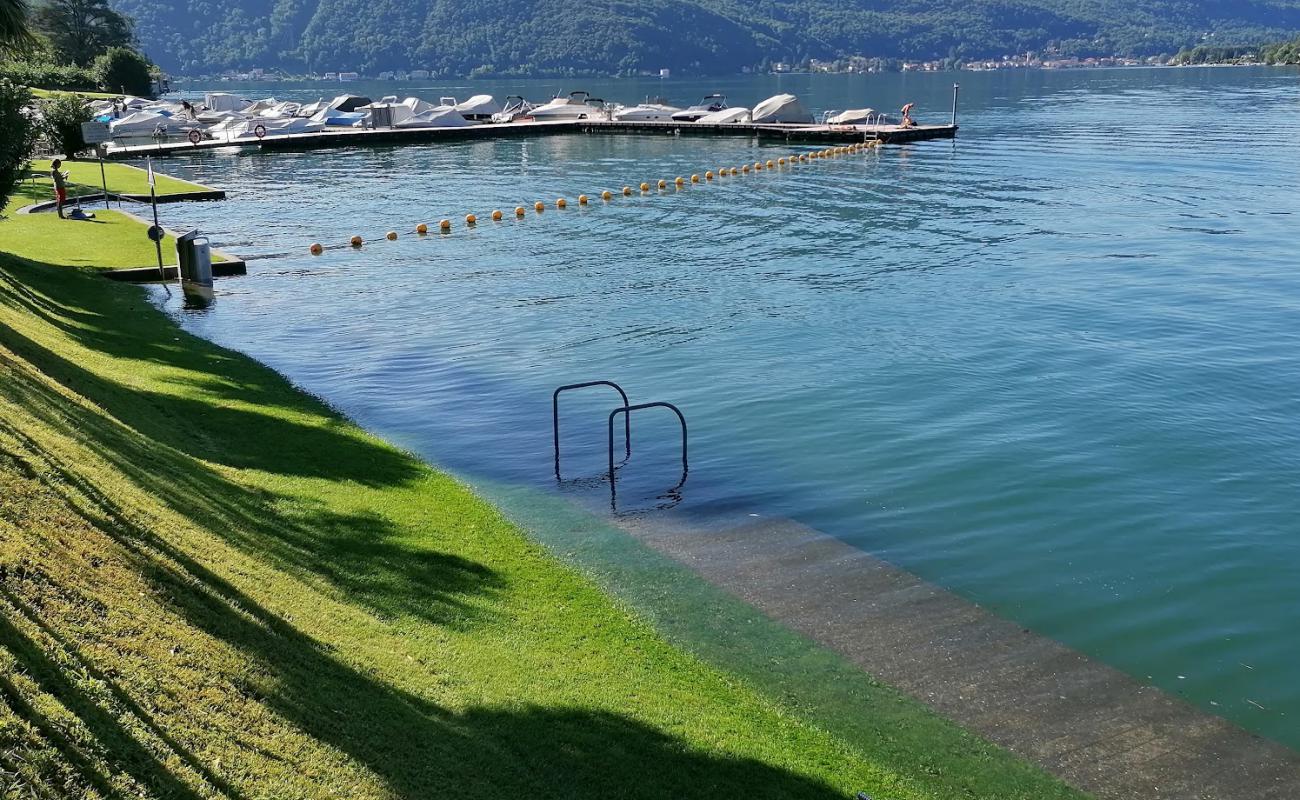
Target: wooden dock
column 351, row 137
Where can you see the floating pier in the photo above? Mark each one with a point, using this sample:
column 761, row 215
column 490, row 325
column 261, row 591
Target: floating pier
column 349, row 137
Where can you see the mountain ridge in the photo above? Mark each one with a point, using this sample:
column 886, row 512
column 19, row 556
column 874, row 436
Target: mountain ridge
column 559, row 37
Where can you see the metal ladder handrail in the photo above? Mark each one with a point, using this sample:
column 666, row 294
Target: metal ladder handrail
column 555, row 417
column 627, row 412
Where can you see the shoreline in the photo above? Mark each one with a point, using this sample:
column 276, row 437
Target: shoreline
column 197, row 473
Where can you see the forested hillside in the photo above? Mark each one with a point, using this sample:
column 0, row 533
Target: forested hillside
column 706, row 36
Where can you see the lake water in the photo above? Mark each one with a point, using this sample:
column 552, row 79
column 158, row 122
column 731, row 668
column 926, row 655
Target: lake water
column 1053, row 366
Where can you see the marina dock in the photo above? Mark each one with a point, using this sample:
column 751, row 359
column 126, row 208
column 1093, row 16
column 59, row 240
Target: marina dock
column 349, row 137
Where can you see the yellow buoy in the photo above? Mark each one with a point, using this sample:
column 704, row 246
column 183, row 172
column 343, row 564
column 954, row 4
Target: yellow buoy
column 708, row 176
column 680, row 181
column 422, row 229
column 663, row 184
column 695, row 179
column 391, row 236
column 627, row 190
column 605, row 195
column 316, row 249
column 771, row 164
column 645, row 187
column 539, row 206
column 356, row 241
column 582, row 199
column 758, row 166
column 519, row 211
column 745, row 169
column 470, row 219
column 561, row 203
column 497, row 215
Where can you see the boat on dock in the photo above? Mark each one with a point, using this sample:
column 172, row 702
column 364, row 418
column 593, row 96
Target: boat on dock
column 711, row 104
column 578, row 105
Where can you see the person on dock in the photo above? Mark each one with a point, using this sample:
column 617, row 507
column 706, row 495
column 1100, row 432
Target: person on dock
column 907, row 121
column 60, row 186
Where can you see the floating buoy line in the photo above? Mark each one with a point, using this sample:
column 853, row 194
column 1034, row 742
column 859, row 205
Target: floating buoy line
column 708, row 176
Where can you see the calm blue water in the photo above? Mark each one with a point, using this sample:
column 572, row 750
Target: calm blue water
column 1054, row 367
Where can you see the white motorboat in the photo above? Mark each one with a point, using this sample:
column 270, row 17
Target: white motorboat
column 140, row 124
column 646, row 112
column 711, row 104
column 853, row 116
column 781, row 108
column 514, row 107
column 578, row 105
column 439, row 117
column 480, row 108
column 248, row 128
column 727, row 116
column 224, row 101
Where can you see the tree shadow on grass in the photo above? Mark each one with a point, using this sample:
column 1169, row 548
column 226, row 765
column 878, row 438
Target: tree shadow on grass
column 416, row 747
column 362, row 554
column 257, row 420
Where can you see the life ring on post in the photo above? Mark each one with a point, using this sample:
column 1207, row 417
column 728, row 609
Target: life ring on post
column 195, row 136
column 260, row 131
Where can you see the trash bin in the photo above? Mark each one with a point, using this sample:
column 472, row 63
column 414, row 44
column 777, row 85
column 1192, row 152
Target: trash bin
column 195, row 259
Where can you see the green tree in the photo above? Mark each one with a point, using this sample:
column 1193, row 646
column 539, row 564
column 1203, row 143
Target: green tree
column 15, row 136
column 14, row 24
column 121, row 69
column 80, row 30
column 60, row 122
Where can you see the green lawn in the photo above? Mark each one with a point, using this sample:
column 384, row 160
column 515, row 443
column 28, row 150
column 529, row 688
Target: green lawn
column 62, row 92
column 111, row 240
column 212, row 585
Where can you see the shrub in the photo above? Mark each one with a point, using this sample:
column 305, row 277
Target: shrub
column 15, row 136
column 46, row 75
column 60, row 123
column 121, row 69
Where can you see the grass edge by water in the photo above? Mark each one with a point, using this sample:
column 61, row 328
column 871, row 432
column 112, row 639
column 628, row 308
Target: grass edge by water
column 69, row 309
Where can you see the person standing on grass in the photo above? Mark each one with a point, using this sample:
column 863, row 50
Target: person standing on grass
column 60, row 188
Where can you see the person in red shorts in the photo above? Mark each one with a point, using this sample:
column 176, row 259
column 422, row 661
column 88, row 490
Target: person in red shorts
column 60, row 188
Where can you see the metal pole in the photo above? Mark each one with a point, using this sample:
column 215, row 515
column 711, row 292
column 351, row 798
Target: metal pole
column 103, row 179
column 158, row 234
column 956, row 88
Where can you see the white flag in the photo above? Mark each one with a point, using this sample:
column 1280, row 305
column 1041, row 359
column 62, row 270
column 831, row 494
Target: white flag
column 150, row 163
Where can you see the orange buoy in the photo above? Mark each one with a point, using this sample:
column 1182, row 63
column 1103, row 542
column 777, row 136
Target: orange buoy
column 391, row 236
column 708, row 176
column 771, row 164
column 519, row 211
column 470, row 219
column 561, row 203
column 445, row 225
column 605, row 195
column 357, row 241
column 745, row 169
column 680, row 181
column 645, row 187
column 539, row 206
column 496, row 216
column 582, row 199
column 627, row 190
column 422, row 229
column 695, row 179
column 316, row 249
column 663, row 184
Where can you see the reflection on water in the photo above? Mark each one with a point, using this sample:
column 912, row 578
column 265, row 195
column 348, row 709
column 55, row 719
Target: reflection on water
column 1052, row 366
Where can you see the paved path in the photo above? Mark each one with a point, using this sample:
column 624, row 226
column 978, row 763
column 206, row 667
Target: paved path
column 1093, row 726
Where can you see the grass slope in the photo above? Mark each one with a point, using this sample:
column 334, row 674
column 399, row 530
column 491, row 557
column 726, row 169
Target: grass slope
column 111, row 240
column 212, row 585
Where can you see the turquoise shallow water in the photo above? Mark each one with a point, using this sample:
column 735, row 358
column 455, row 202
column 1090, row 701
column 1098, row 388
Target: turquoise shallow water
column 1053, row 366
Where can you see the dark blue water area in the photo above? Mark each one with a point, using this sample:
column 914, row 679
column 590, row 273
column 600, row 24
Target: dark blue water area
column 1053, row 366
